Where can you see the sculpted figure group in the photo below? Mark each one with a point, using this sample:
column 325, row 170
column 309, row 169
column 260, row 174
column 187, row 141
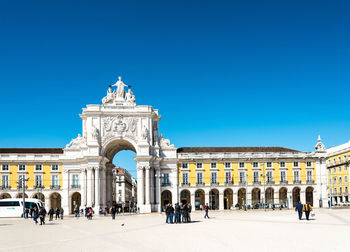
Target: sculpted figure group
column 119, row 94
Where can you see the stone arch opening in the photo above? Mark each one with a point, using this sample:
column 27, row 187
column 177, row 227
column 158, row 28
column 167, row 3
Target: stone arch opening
column 283, row 198
column 119, row 184
column 75, row 201
column 256, row 196
column 39, row 196
column 270, row 195
column 166, row 198
column 185, row 196
column 309, row 195
column 20, row 195
column 199, row 199
column 55, row 200
column 241, row 196
column 5, row 196
column 296, row 195
column 228, row 198
column 214, row 199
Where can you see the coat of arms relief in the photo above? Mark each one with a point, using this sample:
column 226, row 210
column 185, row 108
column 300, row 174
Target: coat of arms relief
column 119, row 126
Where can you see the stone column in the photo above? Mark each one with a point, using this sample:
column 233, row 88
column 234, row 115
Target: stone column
column 83, row 186
column 65, row 199
column 109, row 187
column 93, row 187
column 276, row 196
column 140, row 186
column 89, row 187
column 152, row 199
column 206, row 198
column 103, row 187
column 249, row 198
column 221, row 200
column 193, row 200
column 147, row 186
column 289, row 199
column 234, row 198
column 97, row 188
column 302, row 196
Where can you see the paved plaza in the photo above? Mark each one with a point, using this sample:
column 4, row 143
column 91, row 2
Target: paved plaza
column 225, row 231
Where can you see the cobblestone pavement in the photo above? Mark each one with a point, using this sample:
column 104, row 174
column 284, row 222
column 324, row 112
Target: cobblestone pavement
column 224, row 231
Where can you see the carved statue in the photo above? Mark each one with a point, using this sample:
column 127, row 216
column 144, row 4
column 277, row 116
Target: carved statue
column 130, row 97
column 320, row 146
column 120, row 87
column 76, row 142
column 109, row 98
column 145, row 133
column 95, row 133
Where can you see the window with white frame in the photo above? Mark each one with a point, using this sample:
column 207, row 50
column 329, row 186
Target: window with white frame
column 346, row 189
column 296, row 164
column 255, row 164
column 75, row 180
column 54, row 167
column 283, row 176
column 228, row 178
column 241, row 165
column 199, row 165
column 309, row 176
column 256, row 177
column 227, row 165
column 38, row 181
column 184, row 165
column 308, row 164
column 5, row 181
column 268, row 164
column 21, row 177
column 329, row 162
column 213, row 165
column 185, row 178
column 345, row 179
column 340, row 180
column 214, row 178
column 166, row 179
column 335, row 190
column 344, row 158
column 282, row 164
column 334, row 162
column 334, row 170
column 199, row 178
column 54, row 180
column 339, row 160
column 242, row 177
column 38, row 167
column 269, row 176
column 5, row 167
column 334, row 180
column 22, row 167
column 296, row 176
column 339, row 169
column 340, row 190
column 345, row 167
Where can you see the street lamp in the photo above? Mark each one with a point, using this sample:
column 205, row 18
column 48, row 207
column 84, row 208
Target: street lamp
column 22, row 181
column 159, row 176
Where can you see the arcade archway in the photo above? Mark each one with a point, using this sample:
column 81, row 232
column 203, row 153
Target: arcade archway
column 255, row 196
column 39, row 196
column 270, row 195
column 283, row 200
column 166, row 198
column 228, row 198
column 241, row 196
column 185, row 197
column 5, row 196
column 75, row 202
column 199, row 199
column 214, row 199
column 55, row 200
column 296, row 195
column 309, row 195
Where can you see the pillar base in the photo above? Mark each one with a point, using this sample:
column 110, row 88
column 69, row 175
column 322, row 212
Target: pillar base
column 145, row 208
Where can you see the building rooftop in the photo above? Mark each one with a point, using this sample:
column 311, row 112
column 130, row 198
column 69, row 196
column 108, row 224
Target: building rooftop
column 234, row 149
column 32, row 150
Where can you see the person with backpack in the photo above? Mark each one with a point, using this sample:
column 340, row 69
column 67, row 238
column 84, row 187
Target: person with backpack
column 206, row 208
column 307, row 209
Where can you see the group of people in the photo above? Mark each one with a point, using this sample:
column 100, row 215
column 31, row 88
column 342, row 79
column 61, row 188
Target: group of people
column 40, row 213
column 58, row 212
column 300, row 208
column 181, row 212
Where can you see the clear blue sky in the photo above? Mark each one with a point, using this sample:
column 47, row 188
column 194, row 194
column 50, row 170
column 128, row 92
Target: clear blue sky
column 222, row 73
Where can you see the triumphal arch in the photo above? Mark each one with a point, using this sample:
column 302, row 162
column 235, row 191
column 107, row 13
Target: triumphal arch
column 119, row 124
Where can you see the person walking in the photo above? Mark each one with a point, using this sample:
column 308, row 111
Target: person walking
column 189, row 207
column 51, row 213
column 167, row 213
column 307, row 209
column 299, row 209
column 171, row 213
column 42, row 214
column 61, row 213
column 90, row 213
column 113, row 212
column 177, row 213
column 26, row 213
column 76, row 212
column 35, row 215
column 206, row 209
column 184, row 213
column 57, row 212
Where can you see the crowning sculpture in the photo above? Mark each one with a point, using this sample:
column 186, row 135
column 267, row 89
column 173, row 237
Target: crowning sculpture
column 119, row 96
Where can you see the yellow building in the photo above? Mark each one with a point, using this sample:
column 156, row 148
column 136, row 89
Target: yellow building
column 42, row 169
column 218, row 176
column 338, row 159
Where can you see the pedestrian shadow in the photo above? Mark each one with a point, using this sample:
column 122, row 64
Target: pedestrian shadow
column 6, row 225
column 51, row 224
